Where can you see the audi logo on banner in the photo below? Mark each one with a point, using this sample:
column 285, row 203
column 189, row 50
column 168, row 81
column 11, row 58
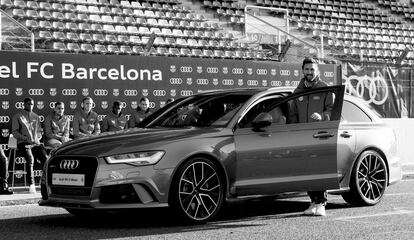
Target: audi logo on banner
column 252, row 82
column 100, row 92
column 276, row 83
column 4, row 146
column 36, row 92
column 4, row 119
column 41, row 118
column 152, row 105
column 101, row 117
column 186, row 93
column 237, row 71
column 186, row 69
column 20, row 160
column 4, row 91
column 212, row 70
column 5, row 105
column 124, row 104
column 37, row 173
column 19, row 105
column 228, row 82
column 261, row 71
column 69, row 164
column 130, row 92
column 176, row 80
column 328, row 74
column 52, row 104
column 69, row 92
column 284, row 73
column 202, row 81
column 159, row 93
column 295, row 83
column 19, row 91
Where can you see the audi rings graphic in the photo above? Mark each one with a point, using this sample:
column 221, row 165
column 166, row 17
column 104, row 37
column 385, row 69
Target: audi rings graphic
column 69, row 164
column 252, row 82
column 41, row 118
column 284, row 72
column 20, row 160
column 328, row 74
column 100, row 92
column 176, row 80
column 4, row 91
column 4, row 146
column 202, row 81
column 152, row 105
column 69, row 92
column 130, row 92
column 237, row 71
column 19, row 105
column 276, row 83
column 294, row 83
column 371, row 89
column 186, row 69
column 124, row 104
column 52, row 104
column 212, row 70
column 36, row 92
column 159, row 93
column 228, row 82
column 37, row 173
column 4, row 119
column 186, row 93
column 261, row 71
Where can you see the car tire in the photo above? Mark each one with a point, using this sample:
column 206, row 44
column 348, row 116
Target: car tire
column 197, row 191
column 369, row 180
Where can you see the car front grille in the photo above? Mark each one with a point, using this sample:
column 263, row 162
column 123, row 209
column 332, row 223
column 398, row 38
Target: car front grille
column 76, row 175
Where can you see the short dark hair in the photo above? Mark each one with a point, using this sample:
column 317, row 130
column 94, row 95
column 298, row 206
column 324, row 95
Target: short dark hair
column 308, row 61
column 117, row 103
column 144, row 99
column 59, row 103
column 28, row 99
column 86, row 98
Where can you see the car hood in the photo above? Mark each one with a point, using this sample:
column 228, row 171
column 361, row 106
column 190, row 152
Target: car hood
column 131, row 140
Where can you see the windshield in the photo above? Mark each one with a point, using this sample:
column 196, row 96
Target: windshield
column 199, row 111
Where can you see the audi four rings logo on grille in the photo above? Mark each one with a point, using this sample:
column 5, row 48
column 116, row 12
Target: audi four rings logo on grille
column 186, row 69
column 176, row 81
column 202, row 81
column 36, row 92
column 130, row 92
column 69, row 92
column 228, row 82
column 328, row 74
column 19, row 105
column 261, row 71
column 185, row 93
column 69, row 164
column 159, row 93
column 100, row 92
column 237, row 71
column 276, row 83
column 252, row 82
column 4, row 91
column 212, row 70
column 4, row 119
column 284, row 72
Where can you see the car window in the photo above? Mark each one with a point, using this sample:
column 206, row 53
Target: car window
column 352, row 113
column 266, row 105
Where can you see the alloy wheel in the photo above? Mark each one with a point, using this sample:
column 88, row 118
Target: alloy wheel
column 371, row 177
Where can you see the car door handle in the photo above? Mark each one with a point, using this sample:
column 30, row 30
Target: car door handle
column 323, row 135
column 345, row 134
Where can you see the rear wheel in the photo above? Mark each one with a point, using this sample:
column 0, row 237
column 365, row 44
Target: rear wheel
column 368, row 180
column 197, row 191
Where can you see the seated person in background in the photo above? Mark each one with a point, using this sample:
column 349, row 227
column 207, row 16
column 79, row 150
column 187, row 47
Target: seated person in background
column 142, row 112
column 115, row 120
column 85, row 122
column 4, row 163
column 57, row 126
column 189, row 115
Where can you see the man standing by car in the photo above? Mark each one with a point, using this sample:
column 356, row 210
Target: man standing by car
column 142, row 112
column 115, row 120
column 57, row 126
column 312, row 108
column 86, row 122
column 28, row 132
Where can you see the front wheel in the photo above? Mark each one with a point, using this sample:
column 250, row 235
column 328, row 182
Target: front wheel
column 197, row 191
column 369, row 180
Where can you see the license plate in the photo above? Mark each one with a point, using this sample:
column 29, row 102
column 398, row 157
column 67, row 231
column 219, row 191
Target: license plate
column 68, row 179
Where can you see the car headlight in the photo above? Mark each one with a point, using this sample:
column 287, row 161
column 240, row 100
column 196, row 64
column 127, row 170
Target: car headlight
column 137, row 158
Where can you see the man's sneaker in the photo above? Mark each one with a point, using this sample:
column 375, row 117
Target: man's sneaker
column 32, row 188
column 320, row 209
column 311, row 210
column 5, row 191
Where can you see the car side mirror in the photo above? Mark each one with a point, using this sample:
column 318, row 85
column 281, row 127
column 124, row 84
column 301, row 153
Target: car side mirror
column 262, row 120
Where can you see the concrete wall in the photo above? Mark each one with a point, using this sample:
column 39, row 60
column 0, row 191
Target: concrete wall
column 404, row 129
